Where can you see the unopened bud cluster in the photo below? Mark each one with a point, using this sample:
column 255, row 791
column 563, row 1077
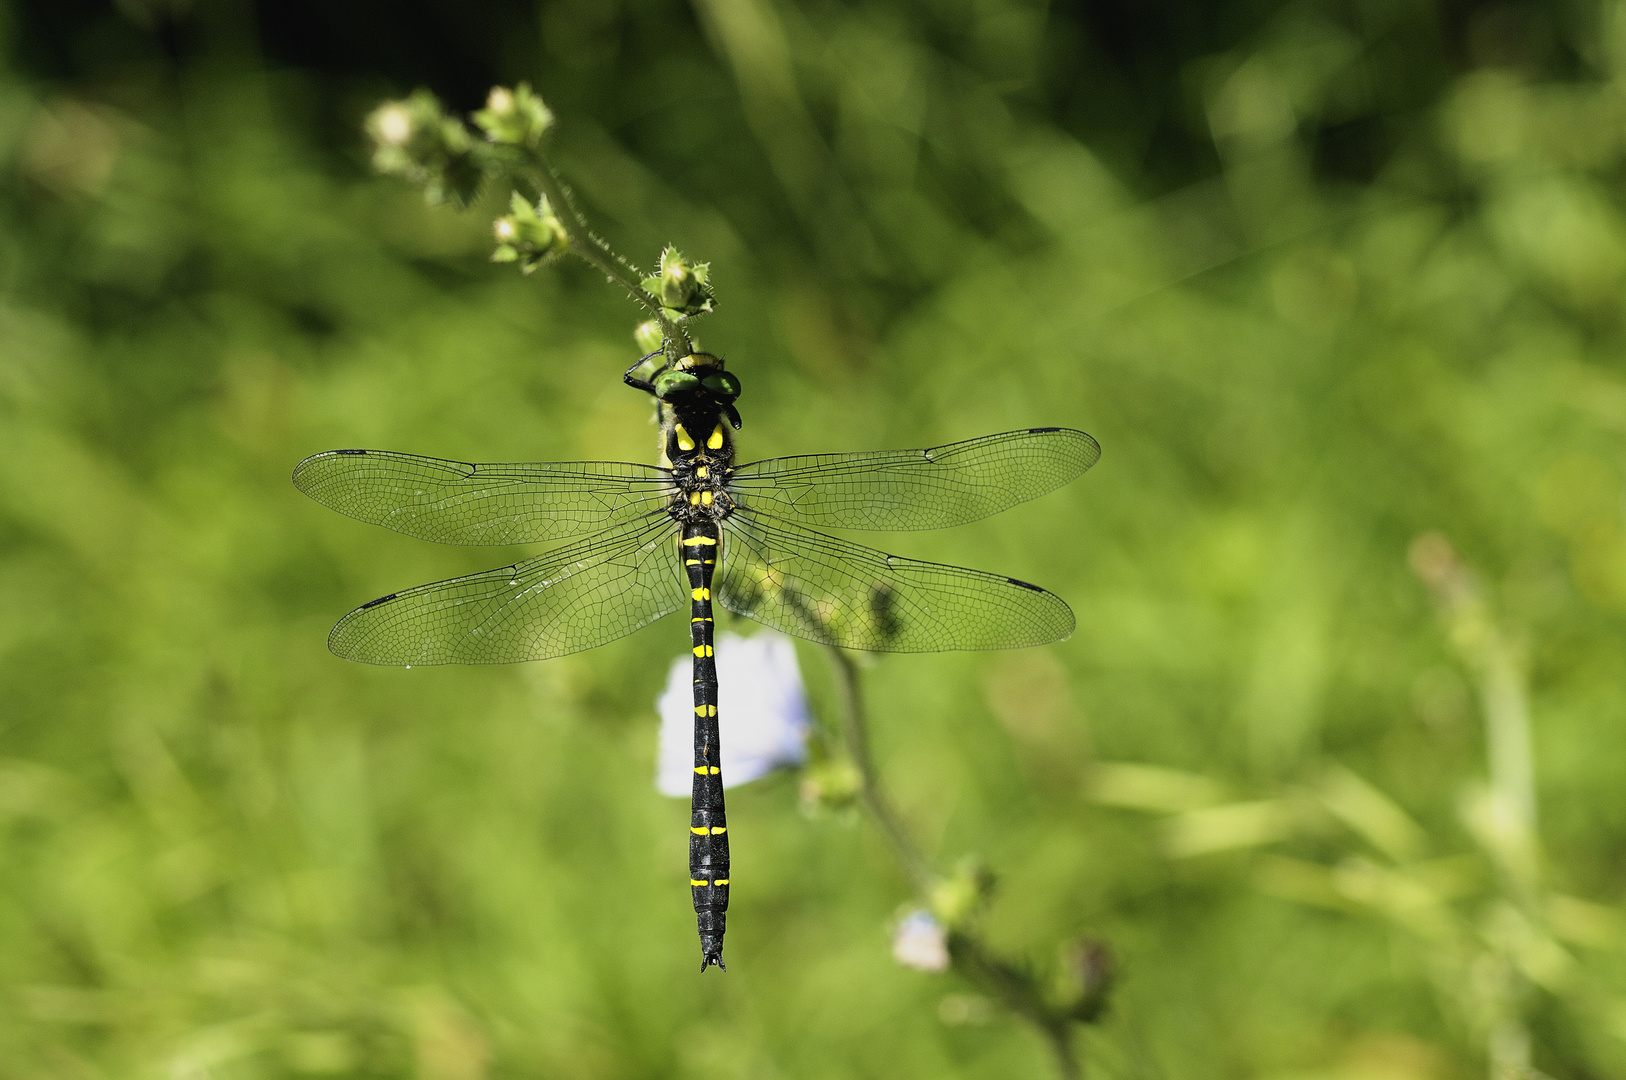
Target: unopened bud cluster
column 514, row 117
column 416, row 139
column 682, row 288
column 528, row 235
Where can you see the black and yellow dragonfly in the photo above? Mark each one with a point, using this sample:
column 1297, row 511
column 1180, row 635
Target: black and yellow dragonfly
column 697, row 528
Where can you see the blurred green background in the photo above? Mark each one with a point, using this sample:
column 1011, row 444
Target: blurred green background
column 1323, row 277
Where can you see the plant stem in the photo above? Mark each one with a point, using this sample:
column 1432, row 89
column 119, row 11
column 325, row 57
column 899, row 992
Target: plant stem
column 1015, row 987
column 855, row 734
column 595, row 251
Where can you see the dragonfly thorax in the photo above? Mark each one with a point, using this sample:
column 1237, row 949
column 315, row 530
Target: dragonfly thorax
column 700, row 435
column 701, row 466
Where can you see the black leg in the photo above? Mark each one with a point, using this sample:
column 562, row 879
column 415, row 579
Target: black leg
column 640, row 384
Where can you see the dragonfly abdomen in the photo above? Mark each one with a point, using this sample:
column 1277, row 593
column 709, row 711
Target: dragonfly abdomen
column 708, row 821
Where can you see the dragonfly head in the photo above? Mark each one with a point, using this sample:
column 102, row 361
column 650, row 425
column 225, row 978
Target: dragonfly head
column 699, row 383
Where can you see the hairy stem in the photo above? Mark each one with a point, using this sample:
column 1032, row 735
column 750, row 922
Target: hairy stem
column 599, row 254
column 1015, row 987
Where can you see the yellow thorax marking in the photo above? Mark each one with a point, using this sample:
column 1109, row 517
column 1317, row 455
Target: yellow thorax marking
column 684, row 442
column 705, row 498
column 694, row 498
column 716, row 440
column 702, row 472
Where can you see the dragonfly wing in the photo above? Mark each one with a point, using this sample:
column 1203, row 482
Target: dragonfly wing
column 828, row 590
column 916, row 489
column 576, row 598
column 457, row 502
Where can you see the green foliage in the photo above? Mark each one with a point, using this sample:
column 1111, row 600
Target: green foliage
column 1275, row 771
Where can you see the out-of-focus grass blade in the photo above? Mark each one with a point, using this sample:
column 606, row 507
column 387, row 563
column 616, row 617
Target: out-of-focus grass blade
column 1230, row 827
column 1372, row 814
column 1152, row 788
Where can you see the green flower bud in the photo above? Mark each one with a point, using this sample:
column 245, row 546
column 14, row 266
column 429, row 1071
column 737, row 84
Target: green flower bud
column 528, row 235
column 1084, row 978
column 514, row 117
column 648, row 336
column 683, row 288
column 677, row 285
column 415, row 139
column 829, row 785
column 954, row 900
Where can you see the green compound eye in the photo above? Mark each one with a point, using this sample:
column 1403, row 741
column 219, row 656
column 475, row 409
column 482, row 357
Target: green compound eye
column 675, row 383
column 722, row 384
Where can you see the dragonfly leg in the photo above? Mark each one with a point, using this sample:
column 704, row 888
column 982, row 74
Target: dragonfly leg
column 640, row 384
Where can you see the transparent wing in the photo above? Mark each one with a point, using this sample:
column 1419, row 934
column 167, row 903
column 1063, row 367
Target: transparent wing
column 456, row 502
column 916, row 489
column 579, row 597
column 827, row 590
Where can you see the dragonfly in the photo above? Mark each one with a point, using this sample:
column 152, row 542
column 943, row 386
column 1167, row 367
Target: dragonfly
column 698, row 531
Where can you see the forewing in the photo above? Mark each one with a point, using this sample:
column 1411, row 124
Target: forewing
column 827, row 590
column 916, row 489
column 457, row 502
column 579, row 597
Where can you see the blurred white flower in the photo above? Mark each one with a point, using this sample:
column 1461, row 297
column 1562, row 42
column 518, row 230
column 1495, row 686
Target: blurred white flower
column 920, row 942
column 393, row 123
column 761, row 711
column 501, row 101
